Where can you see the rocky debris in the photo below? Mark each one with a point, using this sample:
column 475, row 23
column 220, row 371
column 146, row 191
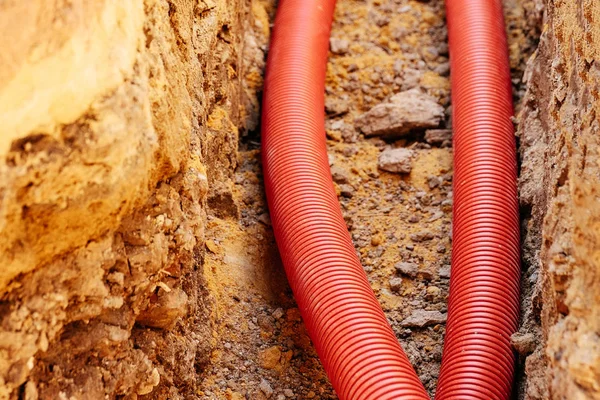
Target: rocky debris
column 266, row 388
column 404, row 112
column 396, row 160
column 347, row 191
column 444, row 271
column 407, row 268
column 264, row 218
column 336, row 106
column 269, row 358
column 395, row 284
column 339, row 46
column 278, row 313
column 422, row 318
column 339, row 174
column 523, row 343
column 439, row 137
column 433, row 293
column 165, row 310
column 422, row 236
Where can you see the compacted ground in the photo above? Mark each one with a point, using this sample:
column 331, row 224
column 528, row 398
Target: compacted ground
column 394, row 179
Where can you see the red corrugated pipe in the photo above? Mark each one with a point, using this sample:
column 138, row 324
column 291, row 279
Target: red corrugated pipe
column 359, row 350
column 483, row 308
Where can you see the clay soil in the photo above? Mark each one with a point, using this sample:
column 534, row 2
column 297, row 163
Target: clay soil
column 400, row 223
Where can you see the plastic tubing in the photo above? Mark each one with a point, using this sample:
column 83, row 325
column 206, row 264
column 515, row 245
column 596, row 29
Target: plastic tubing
column 355, row 343
column 351, row 334
column 483, row 307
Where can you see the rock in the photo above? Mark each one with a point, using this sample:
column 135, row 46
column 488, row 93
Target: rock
column 523, row 343
column 347, row 191
column 266, row 323
column 406, row 111
column 414, row 218
column 265, row 219
column 421, row 236
column 444, row 271
column 269, row 358
column 164, row 312
column 422, row 318
column 339, row 46
column 339, row 174
column 395, row 284
column 288, row 392
column 266, row 388
column 334, row 106
column 377, row 239
column 278, row 313
column 407, row 268
column 433, row 292
column 434, row 181
column 438, row 136
column 396, row 160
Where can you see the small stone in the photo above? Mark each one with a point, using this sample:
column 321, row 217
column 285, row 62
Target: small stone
column 406, row 268
column 414, row 218
column 265, row 219
column 278, row 313
column 310, row 395
column 336, row 107
column 444, row 271
column 433, row 182
column 523, row 343
column 164, row 312
column 395, row 284
column 437, row 136
column 377, row 239
column 288, row 392
column 347, row 191
column 281, row 396
column 339, row 174
column 421, row 236
column 433, row 292
column 339, row 46
column 266, row 388
column 411, row 78
column 422, row 318
column 446, row 205
column 266, row 323
column 405, row 112
column 269, row 358
column 396, row 160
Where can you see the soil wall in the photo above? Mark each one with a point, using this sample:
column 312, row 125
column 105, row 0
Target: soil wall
column 114, row 118
column 560, row 184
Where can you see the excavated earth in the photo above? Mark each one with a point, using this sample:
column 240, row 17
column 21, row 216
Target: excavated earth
column 393, row 175
column 138, row 256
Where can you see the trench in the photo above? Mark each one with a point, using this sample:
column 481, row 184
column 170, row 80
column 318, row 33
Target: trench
column 400, row 223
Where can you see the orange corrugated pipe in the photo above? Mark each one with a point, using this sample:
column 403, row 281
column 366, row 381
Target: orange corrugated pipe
column 355, row 343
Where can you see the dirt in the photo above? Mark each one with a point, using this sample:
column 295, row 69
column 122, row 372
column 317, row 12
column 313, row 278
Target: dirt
column 106, row 154
column 400, row 222
column 137, row 251
column 558, row 130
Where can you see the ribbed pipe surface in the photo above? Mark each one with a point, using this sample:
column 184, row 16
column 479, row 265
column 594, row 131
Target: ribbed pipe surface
column 483, row 307
column 355, row 343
